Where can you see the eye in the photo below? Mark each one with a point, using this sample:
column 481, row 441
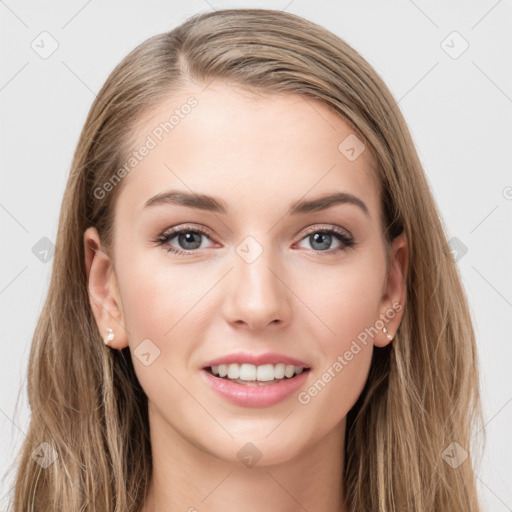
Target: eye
column 188, row 237
column 322, row 238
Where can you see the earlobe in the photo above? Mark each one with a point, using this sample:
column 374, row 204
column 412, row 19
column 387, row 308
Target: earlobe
column 395, row 294
column 103, row 292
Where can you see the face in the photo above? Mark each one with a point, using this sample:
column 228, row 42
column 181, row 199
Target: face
column 258, row 276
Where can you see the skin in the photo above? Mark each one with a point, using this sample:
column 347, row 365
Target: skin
column 259, row 154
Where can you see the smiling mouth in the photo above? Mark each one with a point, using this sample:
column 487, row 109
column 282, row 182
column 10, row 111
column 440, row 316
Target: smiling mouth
column 255, row 382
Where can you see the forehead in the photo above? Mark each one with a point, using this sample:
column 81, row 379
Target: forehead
column 249, row 149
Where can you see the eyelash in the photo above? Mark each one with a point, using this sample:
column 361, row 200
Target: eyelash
column 167, row 236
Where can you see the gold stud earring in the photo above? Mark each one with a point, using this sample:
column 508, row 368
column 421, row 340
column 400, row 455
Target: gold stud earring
column 110, row 336
column 385, row 331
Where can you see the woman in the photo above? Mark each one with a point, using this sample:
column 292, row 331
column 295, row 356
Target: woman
column 249, row 230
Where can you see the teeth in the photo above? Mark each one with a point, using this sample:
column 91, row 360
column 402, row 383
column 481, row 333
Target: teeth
column 250, row 372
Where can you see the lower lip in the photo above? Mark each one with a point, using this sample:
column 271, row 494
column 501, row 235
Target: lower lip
column 256, row 395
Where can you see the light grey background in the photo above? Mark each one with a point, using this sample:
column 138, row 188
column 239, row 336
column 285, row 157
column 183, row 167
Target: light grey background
column 458, row 107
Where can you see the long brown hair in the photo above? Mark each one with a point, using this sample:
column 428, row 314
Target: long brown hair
column 421, row 399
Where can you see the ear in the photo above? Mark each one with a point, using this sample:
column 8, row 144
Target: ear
column 395, row 291
column 103, row 290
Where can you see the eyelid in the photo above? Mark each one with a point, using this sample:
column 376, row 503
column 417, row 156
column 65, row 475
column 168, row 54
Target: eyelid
column 327, row 227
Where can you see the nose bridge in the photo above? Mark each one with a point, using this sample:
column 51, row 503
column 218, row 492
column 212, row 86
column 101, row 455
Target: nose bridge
column 258, row 294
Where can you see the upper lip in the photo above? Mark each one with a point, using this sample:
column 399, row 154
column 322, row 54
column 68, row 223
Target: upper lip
column 256, row 359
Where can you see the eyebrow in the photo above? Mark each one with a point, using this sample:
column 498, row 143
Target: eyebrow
column 217, row 205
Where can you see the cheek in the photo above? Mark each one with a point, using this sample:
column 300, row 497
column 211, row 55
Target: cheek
column 345, row 301
column 167, row 304
column 145, row 298
column 344, row 351
column 343, row 309
column 156, row 293
column 158, row 305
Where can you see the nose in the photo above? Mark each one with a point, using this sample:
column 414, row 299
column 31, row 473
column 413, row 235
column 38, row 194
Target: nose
column 257, row 293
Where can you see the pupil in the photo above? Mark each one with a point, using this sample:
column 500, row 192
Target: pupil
column 319, row 236
column 187, row 238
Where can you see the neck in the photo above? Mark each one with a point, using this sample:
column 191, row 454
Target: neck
column 187, row 477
